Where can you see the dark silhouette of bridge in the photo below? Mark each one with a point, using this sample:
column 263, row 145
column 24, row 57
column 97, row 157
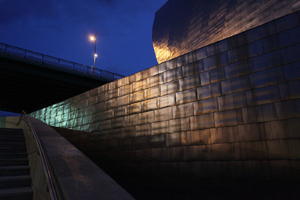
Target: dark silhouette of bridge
column 30, row 80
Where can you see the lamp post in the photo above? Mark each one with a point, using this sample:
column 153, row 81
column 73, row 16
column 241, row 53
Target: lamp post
column 93, row 39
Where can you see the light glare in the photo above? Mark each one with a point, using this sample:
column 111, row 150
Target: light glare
column 92, row 38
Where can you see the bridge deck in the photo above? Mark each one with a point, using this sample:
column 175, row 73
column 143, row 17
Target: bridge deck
column 30, row 81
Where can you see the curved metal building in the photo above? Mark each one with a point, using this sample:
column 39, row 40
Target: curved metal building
column 182, row 26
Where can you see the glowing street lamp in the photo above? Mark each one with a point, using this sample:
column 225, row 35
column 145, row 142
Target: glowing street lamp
column 93, row 39
column 95, row 57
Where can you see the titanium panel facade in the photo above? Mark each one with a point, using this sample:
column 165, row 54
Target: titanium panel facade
column 182, row 26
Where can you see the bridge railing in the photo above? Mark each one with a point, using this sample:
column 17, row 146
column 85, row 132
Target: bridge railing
column 58, row 63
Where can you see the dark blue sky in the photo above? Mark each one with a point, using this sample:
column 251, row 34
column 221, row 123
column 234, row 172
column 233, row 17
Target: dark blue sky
column 60, row 28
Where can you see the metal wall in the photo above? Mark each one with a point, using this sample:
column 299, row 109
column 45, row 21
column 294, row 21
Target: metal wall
column 182, row 26
column 229, row 110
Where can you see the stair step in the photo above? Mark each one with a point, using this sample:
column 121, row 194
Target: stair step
column 20, row 193
column 12, row 155
column 11, row 130
column 12, row 138
column 12, row 133
column 15, row 153
column 13, row 162
column 10, row 142
column 14, row 170
column 13, row 150
column 17, row 136
column 15, row 181
column 12, row 147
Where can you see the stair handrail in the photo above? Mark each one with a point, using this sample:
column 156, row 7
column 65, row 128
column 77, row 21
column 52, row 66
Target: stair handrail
column 50, row 178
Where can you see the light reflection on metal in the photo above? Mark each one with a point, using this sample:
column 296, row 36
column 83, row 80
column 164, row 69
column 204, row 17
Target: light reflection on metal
column 199, row 23
column 163, row 52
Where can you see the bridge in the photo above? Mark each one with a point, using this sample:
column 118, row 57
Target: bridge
column 30, row 80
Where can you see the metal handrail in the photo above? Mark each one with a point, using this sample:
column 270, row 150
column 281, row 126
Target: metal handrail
column 50, row 178
column 61, row 64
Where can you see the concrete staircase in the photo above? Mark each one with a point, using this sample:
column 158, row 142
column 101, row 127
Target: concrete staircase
column 15, row 180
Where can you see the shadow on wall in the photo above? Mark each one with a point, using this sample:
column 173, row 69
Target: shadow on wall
column 146, row 180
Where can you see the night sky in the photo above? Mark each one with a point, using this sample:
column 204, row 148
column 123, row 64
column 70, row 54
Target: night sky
column 60, row 28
